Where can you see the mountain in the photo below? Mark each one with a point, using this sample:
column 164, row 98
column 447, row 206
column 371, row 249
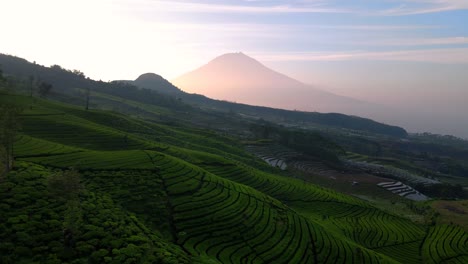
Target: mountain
column 240, row 78
column 157, row 83
column 153, row 89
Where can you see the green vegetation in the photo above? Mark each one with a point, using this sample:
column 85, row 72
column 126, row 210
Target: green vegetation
column 9, row 125
column 40, row 224
column 95, row 186
column 154, row 90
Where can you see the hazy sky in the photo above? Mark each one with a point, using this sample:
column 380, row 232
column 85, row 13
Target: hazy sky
column 411, row 53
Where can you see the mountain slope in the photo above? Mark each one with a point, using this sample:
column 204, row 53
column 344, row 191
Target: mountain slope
column 157, row 92
column 146, row 199
column 239, row 78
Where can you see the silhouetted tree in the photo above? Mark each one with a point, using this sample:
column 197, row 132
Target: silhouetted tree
column 9, row 125
column 44, row 89
column 87, row 98
column 31, row 85
column 78, row 73
column 2, row 79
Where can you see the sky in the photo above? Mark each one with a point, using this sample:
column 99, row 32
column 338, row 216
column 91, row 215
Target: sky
column 408, row 54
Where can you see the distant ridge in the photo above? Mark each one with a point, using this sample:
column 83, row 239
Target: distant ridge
column 240, row 78
column 66, row 82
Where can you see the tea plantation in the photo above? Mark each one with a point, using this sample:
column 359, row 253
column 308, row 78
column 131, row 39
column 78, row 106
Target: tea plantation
column 101, row 187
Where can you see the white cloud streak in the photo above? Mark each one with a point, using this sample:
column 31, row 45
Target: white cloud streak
column 444, row 56
column 194, row 7
column 404, row 7
column 417, row 7
column 414, row 42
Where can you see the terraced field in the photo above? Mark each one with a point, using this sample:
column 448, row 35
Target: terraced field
column 281, row 157
column 350, row 217
column 445, row 244
column 275, row 157
column 181, row 197
column 377, row 167
column 403, row 190
column 27, row 146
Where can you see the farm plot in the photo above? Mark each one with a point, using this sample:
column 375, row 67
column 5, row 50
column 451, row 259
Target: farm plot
column 351, row 217
column 374, row 166
column 390, row 171
column 275, row 156
column 74, row 131
column 314, row 167
column 445, row 244
column 405, row 252
column 284, row 189
column 403, row 190
column 26, row 146
column 283, row 158
column 100, row 160
column 375, row 229
column 217, row 217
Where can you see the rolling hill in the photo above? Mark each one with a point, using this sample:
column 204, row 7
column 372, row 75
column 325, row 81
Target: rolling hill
column 150, row 192
column 70, row 86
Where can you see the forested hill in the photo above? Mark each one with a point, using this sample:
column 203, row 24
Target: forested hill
column 158, row 91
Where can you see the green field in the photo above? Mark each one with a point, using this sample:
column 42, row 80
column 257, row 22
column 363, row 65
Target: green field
column 158, row 193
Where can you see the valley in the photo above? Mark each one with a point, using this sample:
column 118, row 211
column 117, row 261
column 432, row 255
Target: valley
column 147, row 177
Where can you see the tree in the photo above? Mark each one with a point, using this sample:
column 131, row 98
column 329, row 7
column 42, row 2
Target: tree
column 31, row 85
column 79, row 73
column 44, row 89
column 87, row 98
column 2, row 78
column 9, row 126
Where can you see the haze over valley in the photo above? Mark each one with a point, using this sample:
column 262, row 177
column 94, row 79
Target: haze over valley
column 234, row 131
column 408, row 55
column 239, row 78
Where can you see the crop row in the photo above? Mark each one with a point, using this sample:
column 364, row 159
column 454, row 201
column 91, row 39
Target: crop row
column 445, row 242
column 366, row 225
column 281, row 157
column 403, row 190
column 128, row 159
column 29, row 146
column 239, row 227
column 282, row 188
column 375, row 229
column 75, row 131
column 314, row 168
column 237, row 224
column 405, row 252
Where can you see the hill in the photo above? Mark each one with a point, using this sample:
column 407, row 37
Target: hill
column 156, row 90
column 157, row 83
column 103, row 187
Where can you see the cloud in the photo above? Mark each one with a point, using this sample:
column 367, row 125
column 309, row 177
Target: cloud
column 444, row 56
column 414, row 41
column 250, row 27
column 416, row 7
column 373, row 27
column 403, row 7
column 197, row 7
